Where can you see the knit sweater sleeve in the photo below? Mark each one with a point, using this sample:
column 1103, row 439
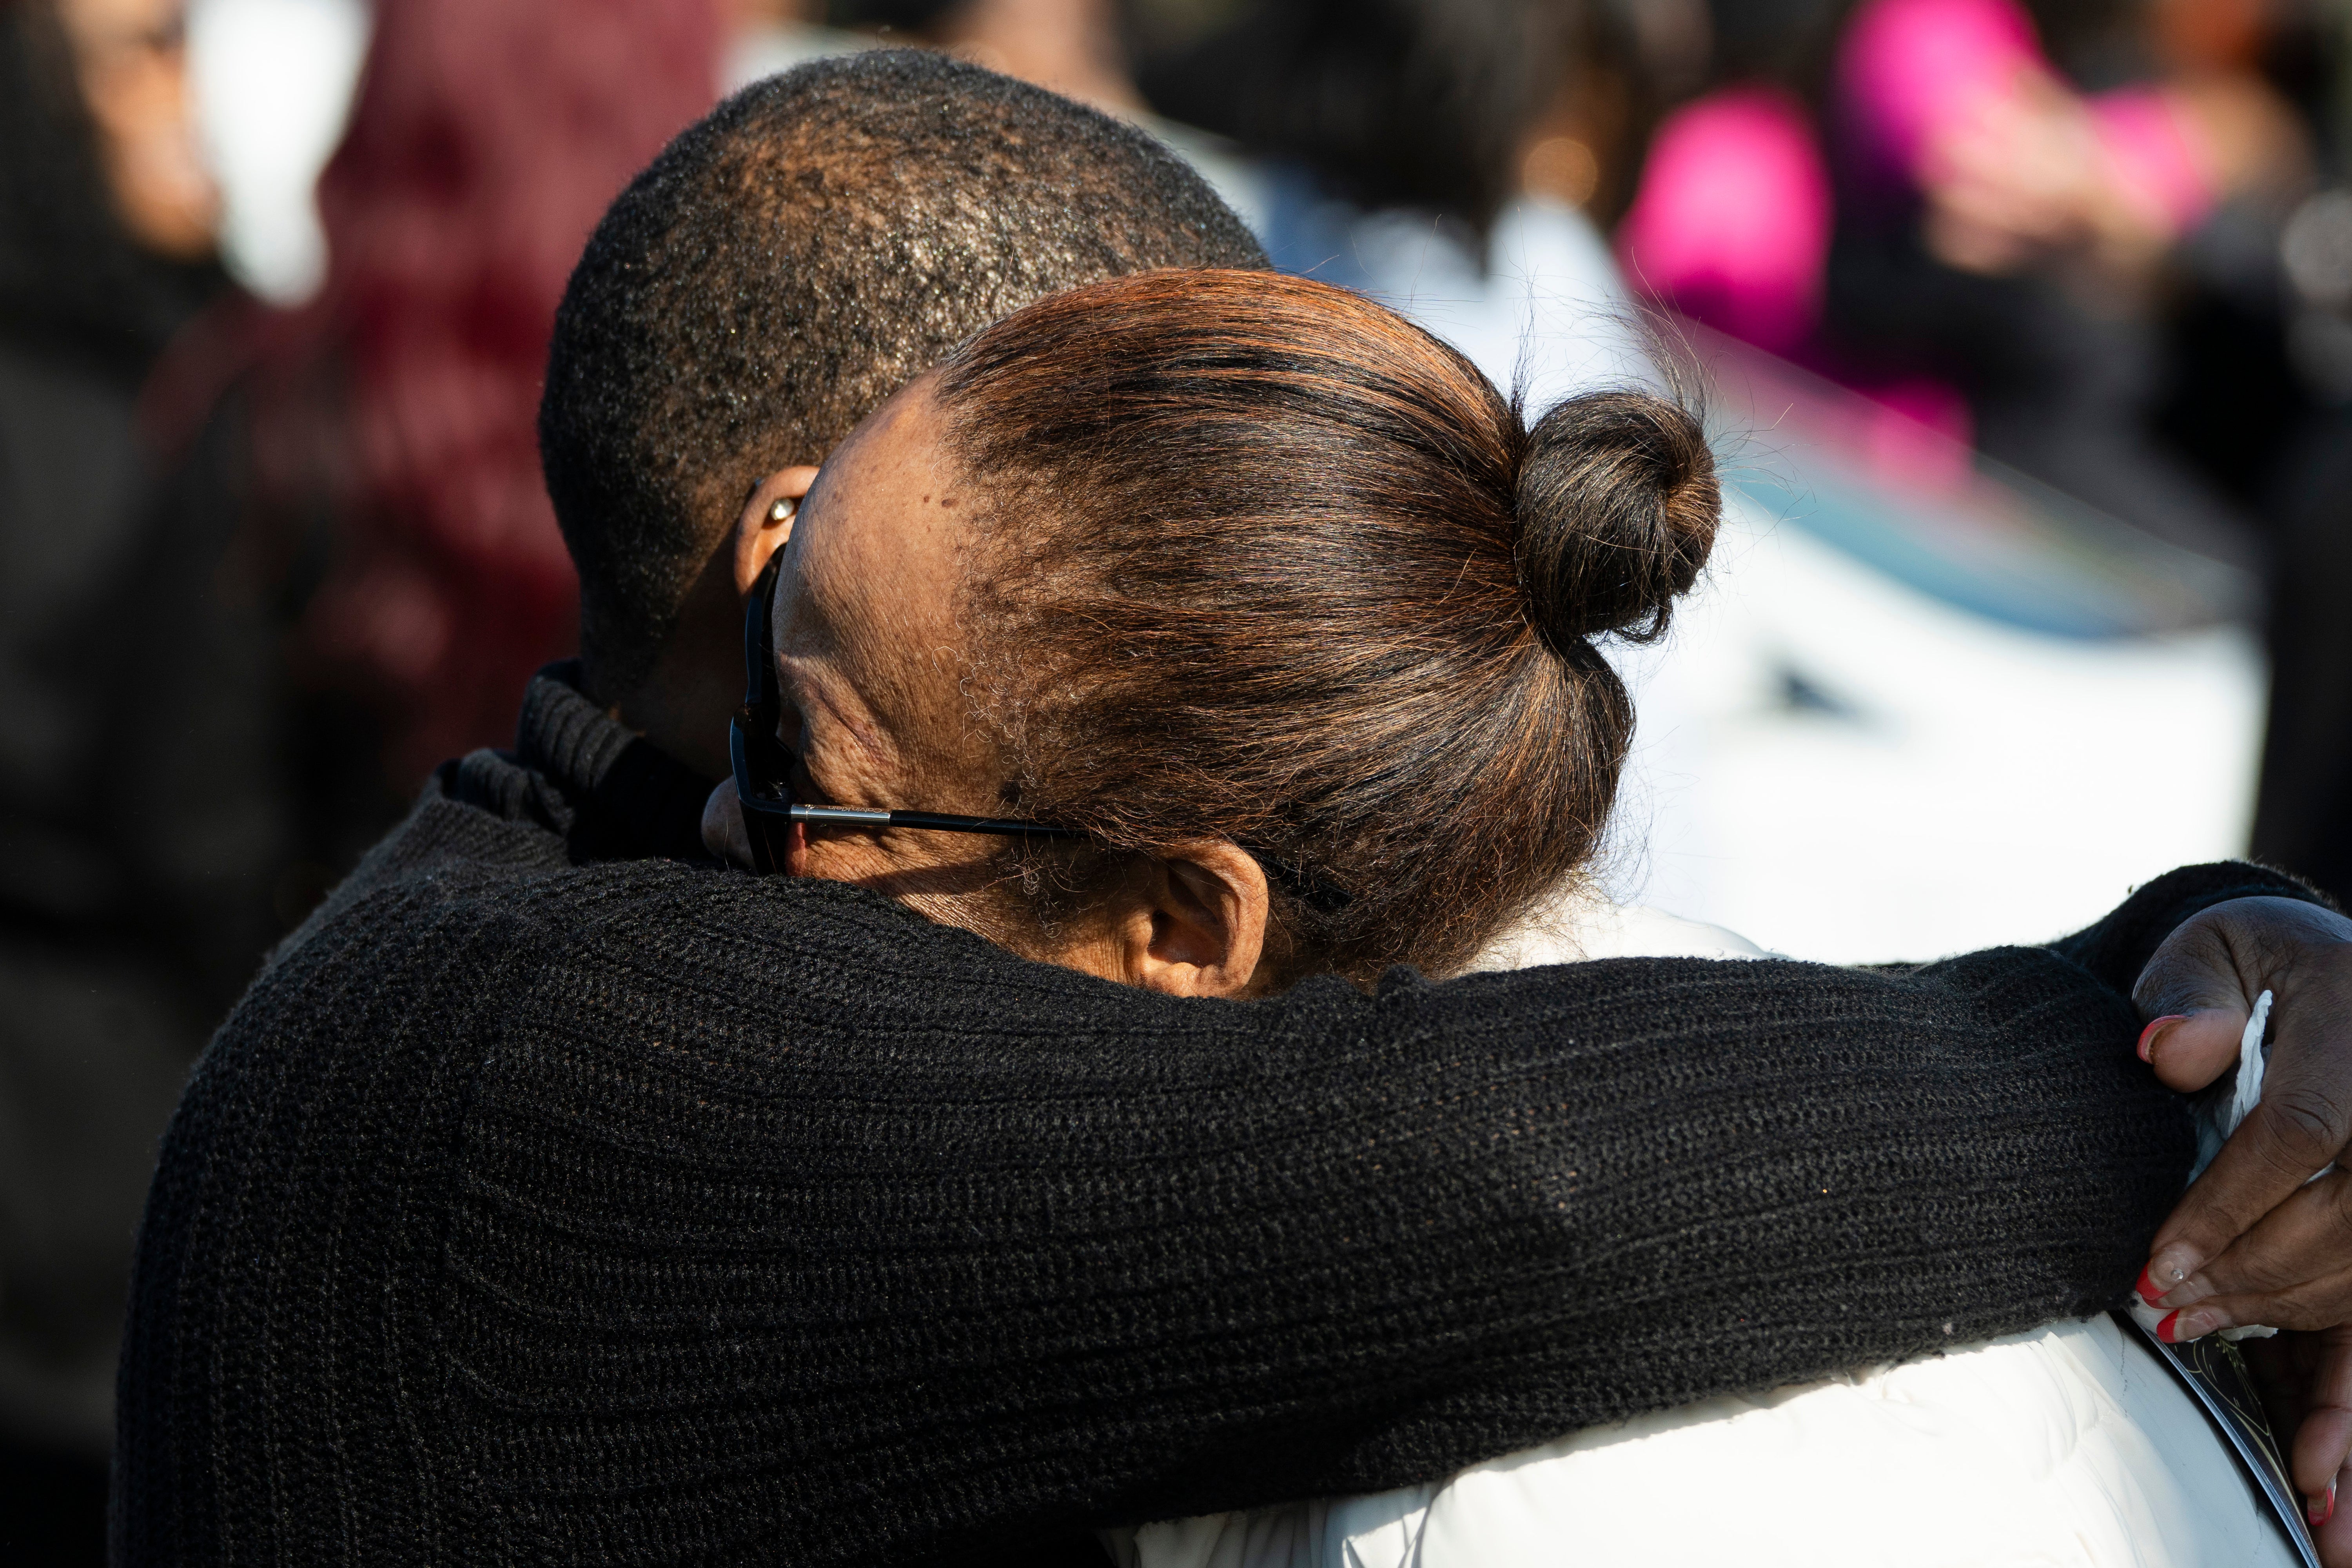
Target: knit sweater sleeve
column 662, row 1216
column 2117, row 948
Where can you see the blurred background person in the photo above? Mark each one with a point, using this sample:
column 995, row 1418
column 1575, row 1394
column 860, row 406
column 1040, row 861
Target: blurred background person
column 2012, row 252
column 1074, row 48
column 2304, row 819
column 2007, row 234
column 264, row 564
column 2082, row 237
column 106, row 250
column 378, row 442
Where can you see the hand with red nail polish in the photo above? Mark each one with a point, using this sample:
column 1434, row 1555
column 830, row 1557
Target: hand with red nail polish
column 2255, row 1239
column 2197, row 991
column 2156, row 1028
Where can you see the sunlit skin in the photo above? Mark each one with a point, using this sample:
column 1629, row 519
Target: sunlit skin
column 132, row 60
column 870, row 658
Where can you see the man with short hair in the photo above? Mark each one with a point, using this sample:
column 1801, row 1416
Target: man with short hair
column 780, row 269
column 550, row 1200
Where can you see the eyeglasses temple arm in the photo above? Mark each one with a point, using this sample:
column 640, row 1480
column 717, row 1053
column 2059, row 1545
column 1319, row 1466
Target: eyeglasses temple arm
column 858, row 816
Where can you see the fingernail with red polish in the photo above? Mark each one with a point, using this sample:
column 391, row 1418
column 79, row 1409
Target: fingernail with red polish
column 2167, row 1331
column 2320, row 1509
column 2169, row 1269
column 2147, row 1290
column 2148, row 1036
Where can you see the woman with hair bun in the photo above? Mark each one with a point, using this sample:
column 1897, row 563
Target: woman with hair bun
column 1208, row 631
column 1252, row 577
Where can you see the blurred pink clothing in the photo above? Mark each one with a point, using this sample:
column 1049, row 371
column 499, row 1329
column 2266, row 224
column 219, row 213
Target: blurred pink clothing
column 1731, row 226
column 1731, row 229
column 2156, row 157
column 1732, row 221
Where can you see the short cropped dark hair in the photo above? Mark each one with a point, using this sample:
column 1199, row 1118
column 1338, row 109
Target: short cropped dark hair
column 791, row 260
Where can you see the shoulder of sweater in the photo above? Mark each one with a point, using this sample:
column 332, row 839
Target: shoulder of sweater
column 780, row 950
column 452, row 831
column 646, row 953
column 2119, row 946
column 670, row 930
column 485, row 818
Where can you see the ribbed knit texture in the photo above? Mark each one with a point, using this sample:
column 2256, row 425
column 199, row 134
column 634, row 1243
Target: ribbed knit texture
column 645, row 1213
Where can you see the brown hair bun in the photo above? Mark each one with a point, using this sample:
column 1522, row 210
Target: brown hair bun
column 1262, row 559
column 1618, row 507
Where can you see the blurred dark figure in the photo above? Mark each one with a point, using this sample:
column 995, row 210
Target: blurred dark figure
column 225, row 668
column 2303, row 819
column 377, row 450
column 369, row 459
column 1452, row 158
column 106, row 221
column 1419, row 105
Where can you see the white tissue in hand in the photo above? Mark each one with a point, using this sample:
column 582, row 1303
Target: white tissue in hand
column 2218, row 1117
column 2221, row 1115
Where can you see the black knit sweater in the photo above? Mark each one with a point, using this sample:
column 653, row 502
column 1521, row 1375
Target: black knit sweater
column 642, row 1212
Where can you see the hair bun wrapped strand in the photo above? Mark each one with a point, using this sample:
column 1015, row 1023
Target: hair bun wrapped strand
column 1618, row 507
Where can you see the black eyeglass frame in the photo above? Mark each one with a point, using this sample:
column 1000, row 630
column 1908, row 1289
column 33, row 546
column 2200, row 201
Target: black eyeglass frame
column 763, row 764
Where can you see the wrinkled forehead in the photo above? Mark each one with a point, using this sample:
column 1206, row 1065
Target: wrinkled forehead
column 878, row 563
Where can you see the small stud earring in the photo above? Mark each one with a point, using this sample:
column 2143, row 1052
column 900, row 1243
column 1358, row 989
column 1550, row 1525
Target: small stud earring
column 782, row 510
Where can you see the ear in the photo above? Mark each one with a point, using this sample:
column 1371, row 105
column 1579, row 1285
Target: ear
column 1197, row 927
column 760, row 531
